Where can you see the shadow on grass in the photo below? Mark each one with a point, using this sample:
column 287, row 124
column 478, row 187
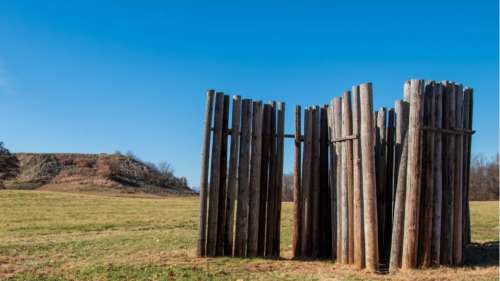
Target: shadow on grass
column 482, row 254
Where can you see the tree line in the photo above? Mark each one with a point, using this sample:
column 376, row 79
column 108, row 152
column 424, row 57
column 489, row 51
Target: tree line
column 484, row 180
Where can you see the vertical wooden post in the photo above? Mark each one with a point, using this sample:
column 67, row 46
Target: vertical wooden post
column 279, row 175
column 337, row 116
column 264, row 178
column 315, row 186
column 215, row 176
column 306, row 184
column 410, row 238
column 369, row 185
column 205, row 156
column 240, row 247
column 325, row 196
column 221, row 220
column 428, row 184
column 297, row 210
column 437, row 166
column 388, row 196
column 449, row 176
column 381, row 163
column 271, row 196
column 467, row 147
column 359, row 237
column 332, row 180
column 255, row 169
column 458, row 199
column 232, row 175
column 348, row 176
column 402, row 112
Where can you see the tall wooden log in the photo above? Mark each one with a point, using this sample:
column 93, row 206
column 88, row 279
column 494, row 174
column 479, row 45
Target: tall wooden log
column 205, row 157
column 437, row 167
column 458, row 221
column 325, row 203
column 345, row 178
column 213, row 203
column 279, row 175
column 410, row 238
column 297, row 210
column 221, row 220
column 264, row 178
column 449, row 175
column 468, row 94
column 381, row 164
column 388, row 196
column 315, row 186
column 271, row 196
column 402, row 112
column 241, row 234
column 369, row 184
column 255, row 170
column 359, row 236
column 232, row 176
column 337, row 115
column 306, row 184
column 428, row 183
column 332, row 180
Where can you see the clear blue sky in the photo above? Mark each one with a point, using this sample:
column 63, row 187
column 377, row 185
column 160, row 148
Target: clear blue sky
column 101, row 76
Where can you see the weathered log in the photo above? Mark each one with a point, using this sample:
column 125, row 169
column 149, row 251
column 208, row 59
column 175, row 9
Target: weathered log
column 271, row 207
column 213, row 203
column 279, row 175
column 428, row 182
column 381, row 167
column 255, row 170
column 241, row 234
column 414, row 176
column 315, row 186
column 369, row 184
column 448, row 175
column 264, row 178
column 306, row 184
column 402, row 112
column 359, row 240
column 221, row 220
column 332, row 180
column 337, row 115
column 437, row 166
column 205, row 157
column 458, row 221
column 232, row 176
column 297, row 210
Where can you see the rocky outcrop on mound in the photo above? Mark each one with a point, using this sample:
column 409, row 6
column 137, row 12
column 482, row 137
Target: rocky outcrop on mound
column 108, row 170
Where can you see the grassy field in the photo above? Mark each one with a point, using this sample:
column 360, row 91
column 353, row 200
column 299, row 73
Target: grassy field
column 64, row 236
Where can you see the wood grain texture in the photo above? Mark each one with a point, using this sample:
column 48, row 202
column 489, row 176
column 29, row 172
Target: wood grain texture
column 213, row 203
column 255, row 170
column 437, row 166
column 297, row 176
column 221, row 220
column 359, row 235
column 369, row 181
column 205, row 157
column 402, row 115
column 241, row 230
column 414, row 176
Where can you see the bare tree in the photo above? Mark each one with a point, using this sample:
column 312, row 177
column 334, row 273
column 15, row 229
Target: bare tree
column 484, row 178
column 166, row 169
column 9, row 164
column 287, row 192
